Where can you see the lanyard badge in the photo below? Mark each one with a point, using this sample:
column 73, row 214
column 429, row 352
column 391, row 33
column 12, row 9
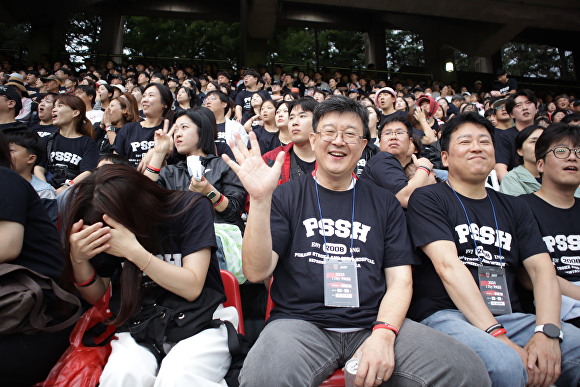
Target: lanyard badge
column 340, row 273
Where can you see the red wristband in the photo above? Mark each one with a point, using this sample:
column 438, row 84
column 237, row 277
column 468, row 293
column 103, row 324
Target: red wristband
column 221, row 199
column 425, row 168
column 498, row 332
column 153, row 168
column 88, row 282
column 386, row 326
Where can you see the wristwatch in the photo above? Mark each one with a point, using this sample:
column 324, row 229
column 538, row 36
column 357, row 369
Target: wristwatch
column 550, row 330
column 211, row 195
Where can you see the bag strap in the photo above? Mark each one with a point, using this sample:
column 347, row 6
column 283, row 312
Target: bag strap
column 37, row 282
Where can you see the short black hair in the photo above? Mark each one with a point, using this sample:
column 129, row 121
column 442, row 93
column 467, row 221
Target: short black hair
column 511, row 101
column 459, row 120
column 555, row 133
column 575, row 117
column 308, row 104
column 341, row 104
column 206, row 129
column 166, row 95
column 115, row 159
column 88, row 90
column 27, row 139
column 222, row 97
column 397, row 118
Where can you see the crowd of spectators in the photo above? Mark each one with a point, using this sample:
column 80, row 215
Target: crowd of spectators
column 176, row 136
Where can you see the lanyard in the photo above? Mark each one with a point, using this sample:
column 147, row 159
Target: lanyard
column 352, row 215
column 471, row 230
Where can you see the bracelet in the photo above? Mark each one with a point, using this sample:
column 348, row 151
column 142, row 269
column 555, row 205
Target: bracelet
column 386, row 326
column 493, row 328
column 425, row 168
column 152, row 171
column 88, row 282
column 153, row 168
column 498, row 332
column 221, row 199
column 148, row 262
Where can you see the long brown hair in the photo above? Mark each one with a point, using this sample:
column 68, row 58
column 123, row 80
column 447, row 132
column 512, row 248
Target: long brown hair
column 83, row 125
column 129, row 102
column 138, row 204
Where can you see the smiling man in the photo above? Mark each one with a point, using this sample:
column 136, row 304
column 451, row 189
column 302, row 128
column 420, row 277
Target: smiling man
column 332, row 244
column 473, row 240
column 558, row 212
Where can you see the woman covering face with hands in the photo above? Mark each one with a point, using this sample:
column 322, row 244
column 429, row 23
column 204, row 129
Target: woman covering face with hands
column 157, row 248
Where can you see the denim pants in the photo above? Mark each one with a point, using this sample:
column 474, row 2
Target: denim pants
column 296, row 353
column 504, row 365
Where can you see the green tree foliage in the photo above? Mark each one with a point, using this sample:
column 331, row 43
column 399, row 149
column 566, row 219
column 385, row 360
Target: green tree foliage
column 538, row 61
column 310, row 47
column 82, row 35
column 197, row 39
column 405, row 51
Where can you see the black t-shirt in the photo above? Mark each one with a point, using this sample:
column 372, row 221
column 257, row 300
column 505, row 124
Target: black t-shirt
column 386, row 171
column 15, row 126
column 41, row 250
column 369, row 151
column 43, row 130
column 244, row 97
column 184, row 235
column 133, row 141
column 435, row 214
column 380, row 240
column 505, row 88
column 505, row 147
column 221, row 131
column 305, row 166
column 78, row 154
column 267, row 140
column 560, row 228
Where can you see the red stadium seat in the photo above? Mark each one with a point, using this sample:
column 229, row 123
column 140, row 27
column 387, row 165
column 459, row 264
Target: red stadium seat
column 233, row 297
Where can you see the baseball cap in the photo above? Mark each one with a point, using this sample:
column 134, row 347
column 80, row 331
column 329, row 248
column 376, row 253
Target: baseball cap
column 52, row 78
column 10, row 93
column 384, row 90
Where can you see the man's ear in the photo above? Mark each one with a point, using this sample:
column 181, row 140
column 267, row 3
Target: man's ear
column 444, row 156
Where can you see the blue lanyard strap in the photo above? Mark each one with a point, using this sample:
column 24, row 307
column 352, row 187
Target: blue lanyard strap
column 471, row 230
column 352, row 216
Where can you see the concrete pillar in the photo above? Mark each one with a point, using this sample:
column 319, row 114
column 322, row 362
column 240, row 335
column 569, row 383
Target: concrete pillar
column 482, row 64
column 46, row 40
column 496, row 60
column 576, row 59
column 111, row 41
column 436, row 56
column 258, row 20
column 375, row 46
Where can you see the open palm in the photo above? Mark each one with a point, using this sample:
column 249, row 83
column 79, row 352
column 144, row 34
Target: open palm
column 257, row 177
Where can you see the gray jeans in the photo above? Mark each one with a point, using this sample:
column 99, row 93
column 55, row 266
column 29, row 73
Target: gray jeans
column 296, row 353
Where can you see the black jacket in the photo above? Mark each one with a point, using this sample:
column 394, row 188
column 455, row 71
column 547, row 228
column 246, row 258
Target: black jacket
column 218, row 174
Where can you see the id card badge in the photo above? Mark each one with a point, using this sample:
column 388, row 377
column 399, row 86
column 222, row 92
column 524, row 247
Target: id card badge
column 493, row 288
column 340, row 283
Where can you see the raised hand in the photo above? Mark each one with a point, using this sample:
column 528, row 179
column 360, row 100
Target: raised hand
column 164, row 139
column 257, row 177
column 88, row 241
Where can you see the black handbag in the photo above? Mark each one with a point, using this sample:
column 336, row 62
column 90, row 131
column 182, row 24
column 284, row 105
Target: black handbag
column 171, row 318
column 23, row 304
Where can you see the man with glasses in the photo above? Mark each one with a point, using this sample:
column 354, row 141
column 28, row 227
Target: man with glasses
column 387, row 168
column 521, row 107
column 332, row 243
column 474, row 242
column 219, row 104
column 503, row 119
column 244, row 96
column 558, row 212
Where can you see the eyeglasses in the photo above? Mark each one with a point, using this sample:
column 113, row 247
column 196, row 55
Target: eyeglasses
column 500, row 107
column 396, row 133
column 562, row 152
column 348, row 137
column 211, row 98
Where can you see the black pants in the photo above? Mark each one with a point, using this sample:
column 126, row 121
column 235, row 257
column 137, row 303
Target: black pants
column 27, row 359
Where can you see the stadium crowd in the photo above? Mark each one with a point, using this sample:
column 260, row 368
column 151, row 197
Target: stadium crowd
column 429, row 230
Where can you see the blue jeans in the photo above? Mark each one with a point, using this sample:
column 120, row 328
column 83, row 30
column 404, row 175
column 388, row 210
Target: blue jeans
column 292, row 353
column 504, row 365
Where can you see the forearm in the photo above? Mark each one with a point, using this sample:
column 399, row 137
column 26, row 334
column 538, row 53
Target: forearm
column 156, row 162
column 569, row 289
column 500, row 170
column 430, row 136
column 547, row 297
column 40, row 172
column 397, row 299
column 82, row 272
column 238, row 113
column 420, row 179
column 179, row 280
column 257, row 261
